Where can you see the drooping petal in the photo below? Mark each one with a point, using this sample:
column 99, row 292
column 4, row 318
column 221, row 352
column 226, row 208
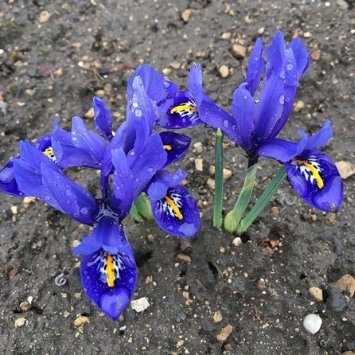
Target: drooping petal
column 315, row 178
column 278, row 149
column 176, row 145
column 109, row 280
column 177, row 213
column 209, row 112
column 8, row 182
column 87, row 140
column 67, row 196
column 102, row 117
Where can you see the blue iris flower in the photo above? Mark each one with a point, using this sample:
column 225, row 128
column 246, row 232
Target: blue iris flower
column 130, row 161
column 175, row 108
column 260, row 111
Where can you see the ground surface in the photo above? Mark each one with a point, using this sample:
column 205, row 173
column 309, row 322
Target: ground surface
column 215, row 297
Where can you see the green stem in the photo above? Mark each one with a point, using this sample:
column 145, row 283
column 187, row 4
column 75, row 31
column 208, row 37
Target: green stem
column 218, row 191
column 233, row 218
column 262, row 201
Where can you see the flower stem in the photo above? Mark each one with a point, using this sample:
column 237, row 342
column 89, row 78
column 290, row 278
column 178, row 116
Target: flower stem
column 218, row 191
column 262, row 201
column 233, row 218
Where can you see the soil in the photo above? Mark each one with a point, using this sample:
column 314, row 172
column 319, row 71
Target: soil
column 213, row 297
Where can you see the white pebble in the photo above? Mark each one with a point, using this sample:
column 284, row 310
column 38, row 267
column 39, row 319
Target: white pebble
column 312, row 323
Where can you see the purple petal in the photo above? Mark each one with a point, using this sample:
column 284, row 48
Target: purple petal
column 87, row 140
column 107, row 234
column 103, row 117
column 320, row 138
column 123, row 183
column 67, row 196
column 315, row 178
column 176, row 145
column 256, row 66
column 182, row 113
column 144, row 165
column 154, row 83
column 8, row 182
column 109, row 280
column 301, row 55
column 177, row 213
column 278, row 149
column 243, row 111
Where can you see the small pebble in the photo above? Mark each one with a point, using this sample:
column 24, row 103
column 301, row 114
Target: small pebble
column 239, row 51
column 312, row 323
column 223, row 71
column 316, row 293
column 211, row 183
column 345, row 284
column 186, row 15
column 44, row 16
column 80, row 321
column 198, row 148
column 199, row 164
column 140, row 304
column 225, row 332
column 217, row 317
column 20, row 322
column 237, row 242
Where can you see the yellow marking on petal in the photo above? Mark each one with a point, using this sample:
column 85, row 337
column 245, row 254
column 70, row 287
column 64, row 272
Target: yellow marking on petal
column 110, row 270
column 167, row 147
column 174, row 207
column 314, row 171
column 49, row 152
column 184, row 108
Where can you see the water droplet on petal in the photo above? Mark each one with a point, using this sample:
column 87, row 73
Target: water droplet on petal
column 289, row 67
column 282, row 99
column 138, row 112
column 225, row 123
column 84, row 210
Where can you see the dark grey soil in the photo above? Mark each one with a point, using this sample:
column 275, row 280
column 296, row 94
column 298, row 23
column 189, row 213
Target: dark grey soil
column 53, row 66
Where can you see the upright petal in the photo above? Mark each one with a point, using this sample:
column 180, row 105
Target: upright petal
column 315, row 178
column 256, row 66
column 123, row 184
column 102, row 117
column 243, row 111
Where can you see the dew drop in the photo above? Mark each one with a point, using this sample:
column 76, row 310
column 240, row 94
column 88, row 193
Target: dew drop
column 47, row 198
column 282, row 99
column 138, row 112
column 84, row 210
column 289, row 67
column 135, row 104
column 68, row 192
column 225, row 123
column 150, row 170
